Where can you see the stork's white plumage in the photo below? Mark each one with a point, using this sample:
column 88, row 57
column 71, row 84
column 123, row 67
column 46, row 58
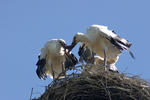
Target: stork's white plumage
column 98, row 65
column 54, row 59
column 96, row 62
column 102, row 41
column 100, row 61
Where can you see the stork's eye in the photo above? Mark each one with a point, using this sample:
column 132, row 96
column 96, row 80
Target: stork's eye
column 62, row 43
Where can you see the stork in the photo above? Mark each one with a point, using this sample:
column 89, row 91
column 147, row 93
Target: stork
column 98, row 66
column 99, row 61
column 54, row 59
column 102, row 41
column 95, row 61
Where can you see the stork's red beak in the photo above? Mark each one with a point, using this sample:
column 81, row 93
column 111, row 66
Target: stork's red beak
column 69, row 47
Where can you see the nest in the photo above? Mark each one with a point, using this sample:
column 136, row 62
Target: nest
column 101, row 85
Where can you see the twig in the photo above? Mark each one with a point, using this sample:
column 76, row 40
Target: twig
column 31, row 94
column 66, row 90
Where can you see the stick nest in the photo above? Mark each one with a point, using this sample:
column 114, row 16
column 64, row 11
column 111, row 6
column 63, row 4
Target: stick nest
column 101, row 85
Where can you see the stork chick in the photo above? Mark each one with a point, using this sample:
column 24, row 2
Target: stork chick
column 54, row 59
column 93, row 62
column 99, row 61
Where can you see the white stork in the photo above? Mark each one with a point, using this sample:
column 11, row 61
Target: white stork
column 99, row 65
column 54, row 59
column 99, row 61
column 95, row 61
column 102, row 41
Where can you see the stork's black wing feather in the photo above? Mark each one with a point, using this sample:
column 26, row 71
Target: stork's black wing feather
column 116, row 44
column 40, row 71
column 71, row 61
column 86, row 54
column 121, row 44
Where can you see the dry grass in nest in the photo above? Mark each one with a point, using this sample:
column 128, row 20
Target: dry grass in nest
column 102, row 85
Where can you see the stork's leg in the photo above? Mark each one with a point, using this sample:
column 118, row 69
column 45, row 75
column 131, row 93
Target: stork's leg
column 82, row 62
column 105, row 59
column 53, row 74
column 63, row 69
column 92, row 57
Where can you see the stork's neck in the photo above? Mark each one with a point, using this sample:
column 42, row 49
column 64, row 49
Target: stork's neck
column 81, row 38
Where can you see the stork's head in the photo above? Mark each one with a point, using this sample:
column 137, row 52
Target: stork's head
column 79, row 37
column 62, row 43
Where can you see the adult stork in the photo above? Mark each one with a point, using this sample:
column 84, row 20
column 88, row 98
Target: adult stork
column 54, row 59
column 102, row 41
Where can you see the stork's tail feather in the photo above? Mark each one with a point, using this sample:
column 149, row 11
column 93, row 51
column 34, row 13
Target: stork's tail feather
column 125, row 43
column 126, row 47
column 41, row 74
column 40, row 71
column 129, row 44
column 122, row 44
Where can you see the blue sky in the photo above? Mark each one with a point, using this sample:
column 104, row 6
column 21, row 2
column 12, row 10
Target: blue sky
column 25, row 26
